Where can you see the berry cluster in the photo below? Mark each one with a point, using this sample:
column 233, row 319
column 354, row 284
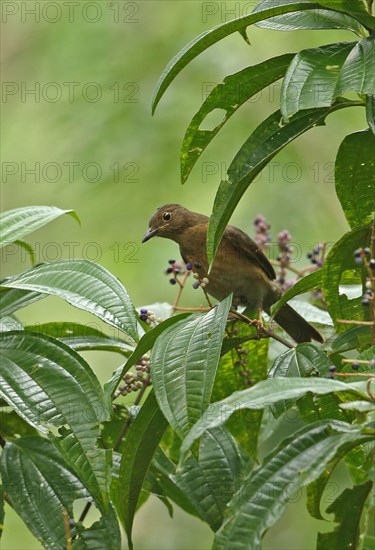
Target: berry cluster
column 133, row 382
column 174, row 269
column 262, row 232
column 317, row 255
column 362, row 256
column 283, row 240
column 149, row 317
column 242, row 365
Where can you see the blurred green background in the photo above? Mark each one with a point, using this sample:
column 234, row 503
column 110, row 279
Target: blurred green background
column 77, row 133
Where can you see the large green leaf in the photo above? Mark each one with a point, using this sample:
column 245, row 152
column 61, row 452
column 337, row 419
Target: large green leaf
column 14, row 299
column 183, row 366
column 299, row 460
column 270, row 137
column 311, row 281
column 311, row 78
column 262, row 395
column 104, row 533
column 15, row 224
column 354, row 338
column 355, row 8
column 303, row 360
column 358, row 71
column 228, row 96
column 355, row 177
column 340, row 259
column 308, row 20
column 140, row 444
column 346, row 535
column 48, row 384
column 82, row 337
column 41, row 487
column 211, row 480
column 85, row 285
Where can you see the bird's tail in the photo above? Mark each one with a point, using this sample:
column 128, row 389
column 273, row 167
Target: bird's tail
column 296, row 326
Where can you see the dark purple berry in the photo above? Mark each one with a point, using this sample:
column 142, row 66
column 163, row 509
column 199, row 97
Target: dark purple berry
column 316, row 251
column 319, row 263
column 189, row 266
column 356, row 366
column 143, row 311
column 365, row 302
column 359, row 260
column 372, row 264
column 198, row 265
column 369, row 292
column 357, row 253
column 171, row 262
column 313, row 261
column 366, row 251
column 196, row 284
column 309, row 255
column 332, row 369
column 172, row 281
column 169, row 270
column 143, row 318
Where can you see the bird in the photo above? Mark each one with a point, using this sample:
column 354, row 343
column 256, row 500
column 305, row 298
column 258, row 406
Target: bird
column 240, row 267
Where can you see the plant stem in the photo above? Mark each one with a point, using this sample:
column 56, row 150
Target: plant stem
column 264, row 332
column 372, row 275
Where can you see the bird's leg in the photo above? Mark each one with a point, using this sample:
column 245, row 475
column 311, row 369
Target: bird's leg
column 259, row 324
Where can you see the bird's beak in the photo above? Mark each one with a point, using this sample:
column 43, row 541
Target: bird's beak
column 149, row 234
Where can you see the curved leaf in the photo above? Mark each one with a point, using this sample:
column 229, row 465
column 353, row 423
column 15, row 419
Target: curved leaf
column 208, row 38
column 183, row 366
column 311, row 281
column 358, row 71
column 85, row 285
column 266, row 393
column 15, row 224
column 299, row 460
column 48, row 384
column 340, row 259
column 41, row 487
column 14, row 299
column 265, row 142
column 309, row 20
column 354, row 338
column 355, row 177
column 311, row 78
column 354, row 8
column 211, row 480
column 301, row 361
column 81, row 337
column 229, row 96
column 139, row 447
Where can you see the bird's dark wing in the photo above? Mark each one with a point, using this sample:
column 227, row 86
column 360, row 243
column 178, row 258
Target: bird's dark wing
column 247, row 247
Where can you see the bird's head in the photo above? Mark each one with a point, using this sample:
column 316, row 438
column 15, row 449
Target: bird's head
column 168, row 222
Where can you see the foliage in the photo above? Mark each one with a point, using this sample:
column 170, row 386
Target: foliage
column 197, row 437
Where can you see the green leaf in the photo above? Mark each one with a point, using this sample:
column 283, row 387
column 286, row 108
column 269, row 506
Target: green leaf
column 12, row 426
column 355, row 8
column 308, row 20
column 355, row 177
column 104, row 533
column 211, row 480
column 370, row 112
column 358, row 72
column 311, row 78
column 340, row 259
column 15, row 224
column 9, row 322
column 299, row 460
column 81, row 337
column 265, row 142
column 183, row 366
column 144, row 345
column 228, row 96
column 141, row 442
column 85, row 285
column 208, row 38
column 263, row 394
column 303, row 360
column 312, row 281
column 354, row 338
column 12, row 300
column 41, row 487
column 346, row 535
column 48, row 384
column 28, row 248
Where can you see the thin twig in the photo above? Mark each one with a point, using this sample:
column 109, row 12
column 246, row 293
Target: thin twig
column 182, row 286
column 68, row 537
column 266, row 332
column 351, row 322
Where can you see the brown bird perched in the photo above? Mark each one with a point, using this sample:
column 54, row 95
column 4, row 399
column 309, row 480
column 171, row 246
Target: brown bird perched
column 239, row 266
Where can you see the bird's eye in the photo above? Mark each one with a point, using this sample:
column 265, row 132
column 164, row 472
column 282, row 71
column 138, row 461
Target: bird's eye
column 166, row 216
